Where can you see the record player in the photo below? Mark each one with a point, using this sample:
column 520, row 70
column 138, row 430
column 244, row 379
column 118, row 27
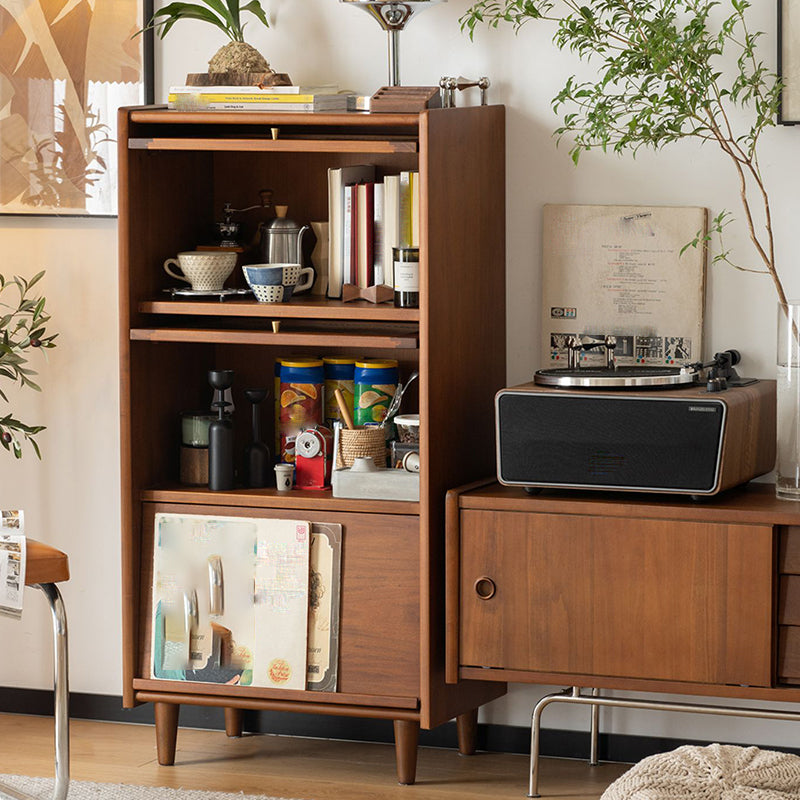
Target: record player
column 695, row 429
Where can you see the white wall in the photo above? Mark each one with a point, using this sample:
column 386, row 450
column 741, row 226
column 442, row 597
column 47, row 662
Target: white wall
column 70, row 498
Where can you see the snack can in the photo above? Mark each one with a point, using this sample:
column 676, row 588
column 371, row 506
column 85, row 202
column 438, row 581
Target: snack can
column 339, row 372
column 375, row 385
column 299, row 400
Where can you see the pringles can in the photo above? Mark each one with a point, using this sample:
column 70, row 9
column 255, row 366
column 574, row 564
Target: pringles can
column 375, row 384
column 339, row 371
column 299, row 401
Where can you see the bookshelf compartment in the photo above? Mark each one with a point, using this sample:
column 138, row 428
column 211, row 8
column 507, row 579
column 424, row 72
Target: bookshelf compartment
column 378, row 655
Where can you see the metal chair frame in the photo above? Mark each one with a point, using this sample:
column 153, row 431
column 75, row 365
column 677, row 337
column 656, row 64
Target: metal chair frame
column 60, row 697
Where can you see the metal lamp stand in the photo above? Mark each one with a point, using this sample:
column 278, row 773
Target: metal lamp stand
column 392, row 17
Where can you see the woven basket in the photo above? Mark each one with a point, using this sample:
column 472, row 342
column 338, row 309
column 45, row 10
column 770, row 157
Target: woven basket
column 359, row 443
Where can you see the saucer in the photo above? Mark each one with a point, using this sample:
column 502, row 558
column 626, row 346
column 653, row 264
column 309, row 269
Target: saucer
column 220, row 293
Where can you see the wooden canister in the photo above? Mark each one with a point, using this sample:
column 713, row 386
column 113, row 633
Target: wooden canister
column 194, row 465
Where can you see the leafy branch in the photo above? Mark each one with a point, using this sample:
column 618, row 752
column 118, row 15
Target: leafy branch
column 224, row 15
column 22, row 328
column 659, row 81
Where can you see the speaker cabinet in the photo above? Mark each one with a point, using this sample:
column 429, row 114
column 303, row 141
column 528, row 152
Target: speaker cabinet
column 685, row 441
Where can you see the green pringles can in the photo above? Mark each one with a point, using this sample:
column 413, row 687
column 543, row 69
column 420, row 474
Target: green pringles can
column 375, row 384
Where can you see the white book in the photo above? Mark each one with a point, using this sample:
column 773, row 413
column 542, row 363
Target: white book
column 378, row 251
column 391, row 225
column 347, row 234
column 337, row 178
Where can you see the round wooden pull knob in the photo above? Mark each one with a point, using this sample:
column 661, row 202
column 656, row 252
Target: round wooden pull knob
column 485, row 588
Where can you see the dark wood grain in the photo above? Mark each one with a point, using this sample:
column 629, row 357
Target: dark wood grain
column 234, row 720
column 789, row 654
column 273, row 145
column 462, row 342
column 177, row 171
column 789, row 600
column 406, row 738
column 352, row 342
column 635, row 598
column 166, row 719
column 789, row 553
column 379, row 614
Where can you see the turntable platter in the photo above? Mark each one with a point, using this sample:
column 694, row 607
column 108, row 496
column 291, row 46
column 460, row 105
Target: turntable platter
column 615, row 378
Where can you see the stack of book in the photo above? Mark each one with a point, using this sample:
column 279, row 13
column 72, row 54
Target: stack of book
column 368, row 217
column 253, row 98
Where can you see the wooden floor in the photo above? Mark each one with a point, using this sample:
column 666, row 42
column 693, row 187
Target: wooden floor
column 311, row 769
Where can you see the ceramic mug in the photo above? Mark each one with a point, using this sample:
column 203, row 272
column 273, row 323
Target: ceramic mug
column 275, row 283
column 204, row 271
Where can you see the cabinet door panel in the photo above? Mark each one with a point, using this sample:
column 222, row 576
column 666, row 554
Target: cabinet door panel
column 379, row 616
column 638, row 598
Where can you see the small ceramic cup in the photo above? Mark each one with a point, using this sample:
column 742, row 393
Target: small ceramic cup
column 284, row 474
column 275, row 283
column 204, row 271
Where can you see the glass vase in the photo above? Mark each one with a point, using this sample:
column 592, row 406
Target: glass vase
column 787, row 482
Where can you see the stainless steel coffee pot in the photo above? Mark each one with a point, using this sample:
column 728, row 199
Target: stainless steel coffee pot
column 281, row 239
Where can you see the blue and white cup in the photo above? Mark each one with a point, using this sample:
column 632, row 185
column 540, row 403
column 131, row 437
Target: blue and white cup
column 275, row 283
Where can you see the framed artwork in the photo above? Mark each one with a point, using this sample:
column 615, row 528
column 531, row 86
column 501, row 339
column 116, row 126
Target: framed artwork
column 789, row 61
column 66, row 66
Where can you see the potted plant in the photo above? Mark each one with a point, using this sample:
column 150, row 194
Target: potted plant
column 22, row 329
column 660, row 79
column 236, row 56
column 670, row 70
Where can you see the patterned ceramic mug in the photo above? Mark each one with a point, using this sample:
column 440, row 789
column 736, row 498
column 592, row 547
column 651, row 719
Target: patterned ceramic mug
column 204, row 271
column 275, row 283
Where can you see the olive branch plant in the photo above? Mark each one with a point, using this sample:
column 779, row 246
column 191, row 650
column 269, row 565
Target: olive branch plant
column 665, row 74
column 23, row 324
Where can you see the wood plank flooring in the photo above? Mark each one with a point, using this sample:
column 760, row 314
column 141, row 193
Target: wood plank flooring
column 290, row 767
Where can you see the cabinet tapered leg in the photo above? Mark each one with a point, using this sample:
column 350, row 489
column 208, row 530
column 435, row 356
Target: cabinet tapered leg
column 406, row 738
column 234, row 718
column 166, row 715
column 467, row 727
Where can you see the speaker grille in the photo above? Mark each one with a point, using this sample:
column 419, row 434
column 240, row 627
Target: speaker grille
column 609, row 441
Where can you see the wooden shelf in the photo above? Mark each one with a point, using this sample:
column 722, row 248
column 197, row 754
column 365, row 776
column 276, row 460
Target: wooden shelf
column 345, row 339
column 271, row 498
column 307, row 308
column 268, row 145
column 264, row 693
column 359, row 123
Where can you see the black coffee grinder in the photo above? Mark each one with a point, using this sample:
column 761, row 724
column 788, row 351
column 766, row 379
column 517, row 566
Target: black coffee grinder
column 220, row 434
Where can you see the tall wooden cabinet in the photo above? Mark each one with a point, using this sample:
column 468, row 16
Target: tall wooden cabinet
column 176, row 172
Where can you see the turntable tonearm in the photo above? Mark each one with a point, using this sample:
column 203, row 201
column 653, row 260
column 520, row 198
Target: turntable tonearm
column 695, row 429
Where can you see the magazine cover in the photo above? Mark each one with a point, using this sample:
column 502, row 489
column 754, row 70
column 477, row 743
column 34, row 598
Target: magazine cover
column 230, row 600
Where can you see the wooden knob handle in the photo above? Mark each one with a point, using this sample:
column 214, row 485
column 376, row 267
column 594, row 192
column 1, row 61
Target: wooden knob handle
column 343, row 409
column 485, row 588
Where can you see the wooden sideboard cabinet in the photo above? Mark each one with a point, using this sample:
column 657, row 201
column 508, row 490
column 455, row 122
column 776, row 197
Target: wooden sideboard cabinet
column 177, row 170
column 625, row 591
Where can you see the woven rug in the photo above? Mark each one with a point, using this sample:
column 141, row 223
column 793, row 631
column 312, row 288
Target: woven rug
column 42, row 789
